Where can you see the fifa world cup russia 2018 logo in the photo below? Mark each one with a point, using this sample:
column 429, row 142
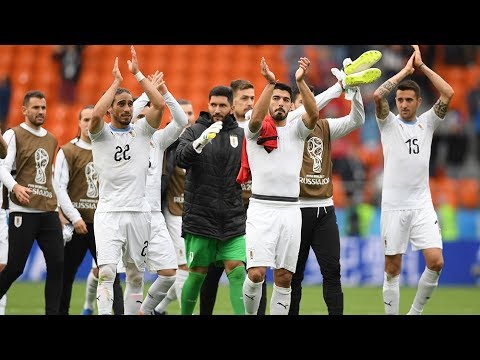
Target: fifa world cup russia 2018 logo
column 92, row 180
column 315, row 151
column 41, row 162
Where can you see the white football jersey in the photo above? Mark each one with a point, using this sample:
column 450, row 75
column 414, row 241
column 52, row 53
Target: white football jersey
column 160, row 141
column 121, row 159
column 406, row 155
column 278, row 173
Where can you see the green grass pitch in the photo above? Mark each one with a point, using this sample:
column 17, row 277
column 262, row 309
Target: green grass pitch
column 26, row 298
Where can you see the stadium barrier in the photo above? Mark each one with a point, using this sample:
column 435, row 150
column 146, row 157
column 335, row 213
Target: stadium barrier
column 362, row 263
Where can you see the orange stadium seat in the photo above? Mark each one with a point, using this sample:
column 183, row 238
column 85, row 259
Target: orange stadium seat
column 6, row 58
column 95, row 64
column 200, row 52
column 47, row 81
column 444, row 190
column 93, row 51
column 473, row 76
column 339, row 193
column 45, row 51
column 469, row 193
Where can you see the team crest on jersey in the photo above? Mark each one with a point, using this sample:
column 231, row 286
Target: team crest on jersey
column 17, row 221
column 234, row 140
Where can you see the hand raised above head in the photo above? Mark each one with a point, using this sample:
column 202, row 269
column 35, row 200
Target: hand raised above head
column 133, row 64
column 409, row 66
column 417, row 61
column 116, row 71
column 303, row 65
column 266, row 72
column 158, row 81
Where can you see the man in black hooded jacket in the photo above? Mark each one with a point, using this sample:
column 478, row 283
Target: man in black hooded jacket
column 213, row 220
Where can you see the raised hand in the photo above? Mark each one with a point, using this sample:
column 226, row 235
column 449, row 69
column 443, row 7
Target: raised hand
column 302, row 70
column 266, row 72
column 417, row 62
column 116, row 71
column 409, row 66
column 157, row 80
column 133, row 64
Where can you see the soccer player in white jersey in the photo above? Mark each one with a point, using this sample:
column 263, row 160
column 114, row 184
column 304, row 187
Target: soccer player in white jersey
column 121, row 158
column 173, row 190
column 274, row 219
column 76, row 186
column 161, row 257
column 3, row 228
column 407, row 213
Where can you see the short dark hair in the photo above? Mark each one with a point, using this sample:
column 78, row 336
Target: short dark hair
column 241, row 84
column 222, row 91
column 32, row 94
column 409, row 85
column 120, row 91
column 284, row 87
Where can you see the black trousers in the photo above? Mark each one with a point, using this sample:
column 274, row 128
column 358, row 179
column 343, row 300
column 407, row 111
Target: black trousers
column 75, row 251
column 208, row 292
column 320, row 232
column 23, row 229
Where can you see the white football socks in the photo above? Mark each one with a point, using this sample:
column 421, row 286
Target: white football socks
column 252, row 293
column 427, row 283
column 391, row 294
column 156, row 293
column 90, row 291
column 280, row 301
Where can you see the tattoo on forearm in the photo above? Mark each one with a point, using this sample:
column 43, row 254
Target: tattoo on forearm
column 386, row 88
column 440, row 108
column 384, row 109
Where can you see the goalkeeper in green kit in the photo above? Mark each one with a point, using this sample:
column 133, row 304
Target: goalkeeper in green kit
column 213, row 220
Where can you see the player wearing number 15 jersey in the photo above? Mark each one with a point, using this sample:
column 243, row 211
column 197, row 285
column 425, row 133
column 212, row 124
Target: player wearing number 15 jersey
column 407, row 213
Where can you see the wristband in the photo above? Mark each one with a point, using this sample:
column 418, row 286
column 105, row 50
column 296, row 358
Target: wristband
column 421, row 65
column 139, row 76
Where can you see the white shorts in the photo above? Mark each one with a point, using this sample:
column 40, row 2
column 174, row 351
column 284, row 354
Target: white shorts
column 3, row 237
column 122, row 235
column 161, row 253
column 174, row 225
column 273, row 234
column 420, row 227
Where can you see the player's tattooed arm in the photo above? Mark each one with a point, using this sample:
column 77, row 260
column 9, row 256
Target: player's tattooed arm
column 440, row 109
column 381, row 104
column 386, row 88
column 382, row 109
